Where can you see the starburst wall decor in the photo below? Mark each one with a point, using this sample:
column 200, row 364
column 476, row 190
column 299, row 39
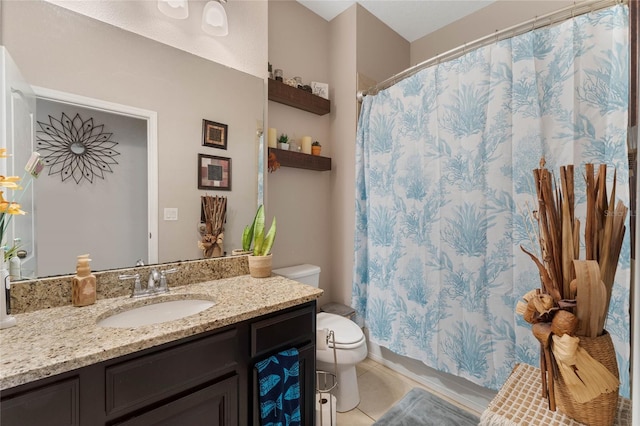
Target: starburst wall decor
column 76, row 148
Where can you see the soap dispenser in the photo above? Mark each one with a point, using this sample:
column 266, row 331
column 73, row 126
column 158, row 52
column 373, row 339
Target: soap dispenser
column 83, row 288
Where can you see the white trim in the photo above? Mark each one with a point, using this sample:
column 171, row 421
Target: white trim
column 151, row 117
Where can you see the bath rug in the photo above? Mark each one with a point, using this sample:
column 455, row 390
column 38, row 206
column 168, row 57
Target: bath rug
column 421, row 408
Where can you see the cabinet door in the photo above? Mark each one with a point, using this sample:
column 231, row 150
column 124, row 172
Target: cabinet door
column 215, row 405
column 307, row 379
column 307, row 356
column 56, row 404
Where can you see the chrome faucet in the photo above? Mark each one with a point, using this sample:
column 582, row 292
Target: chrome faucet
column 154, row 277
column 163, row 287
column 156, row 284
column 137, row 290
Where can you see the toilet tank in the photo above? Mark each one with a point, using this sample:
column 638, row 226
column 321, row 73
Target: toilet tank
column 307, row 274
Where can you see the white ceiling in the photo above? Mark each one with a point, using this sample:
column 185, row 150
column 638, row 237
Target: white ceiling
column 412, row 19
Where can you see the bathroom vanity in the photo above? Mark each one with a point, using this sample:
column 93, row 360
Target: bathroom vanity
column 58, row 367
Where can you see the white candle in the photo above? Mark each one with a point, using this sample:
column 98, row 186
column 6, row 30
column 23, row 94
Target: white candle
column 306, row 144
column 271, row 138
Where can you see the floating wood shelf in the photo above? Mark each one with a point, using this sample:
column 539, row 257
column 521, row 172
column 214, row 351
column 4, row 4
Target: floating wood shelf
column 301, row 161
column 298, row 98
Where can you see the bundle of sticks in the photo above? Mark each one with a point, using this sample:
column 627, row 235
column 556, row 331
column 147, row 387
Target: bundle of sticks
column 575, row 287
column 215, row 212
column 559, row 229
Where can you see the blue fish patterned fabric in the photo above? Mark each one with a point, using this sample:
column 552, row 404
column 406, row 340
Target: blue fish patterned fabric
column 280, row 389
column 445, row 191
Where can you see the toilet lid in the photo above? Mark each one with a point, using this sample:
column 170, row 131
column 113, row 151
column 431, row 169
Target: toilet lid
column 345, row 331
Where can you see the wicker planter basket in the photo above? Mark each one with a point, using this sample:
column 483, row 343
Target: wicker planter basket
column 260, row 266
column 600, row 411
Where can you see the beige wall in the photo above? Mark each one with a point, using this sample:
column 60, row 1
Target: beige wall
column 381, row 52
column 497, row 16
column 343, row 129
column 300, row 199
column 244, row 48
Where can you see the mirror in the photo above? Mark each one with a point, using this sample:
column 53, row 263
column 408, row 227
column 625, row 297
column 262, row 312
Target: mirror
column 60, row 51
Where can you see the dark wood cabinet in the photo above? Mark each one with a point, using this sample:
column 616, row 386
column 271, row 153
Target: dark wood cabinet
column 291, row 329
column 144, row 380
column 214, row 405
column 56, row 403
column 206, row 379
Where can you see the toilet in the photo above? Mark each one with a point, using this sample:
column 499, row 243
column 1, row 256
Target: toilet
column 350, row 344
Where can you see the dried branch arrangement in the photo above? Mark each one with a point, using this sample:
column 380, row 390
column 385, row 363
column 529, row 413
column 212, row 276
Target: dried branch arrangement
column 575, row 294
column 215, row 213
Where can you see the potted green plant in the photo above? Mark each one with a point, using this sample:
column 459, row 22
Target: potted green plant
column 316, row 148
column 283, row 142
column 260, row 259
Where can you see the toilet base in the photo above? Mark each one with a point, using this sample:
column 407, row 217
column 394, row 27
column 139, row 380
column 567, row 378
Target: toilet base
column 346, row 393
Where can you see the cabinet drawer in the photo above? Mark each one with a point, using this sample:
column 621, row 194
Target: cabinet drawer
column 52, row 405
column 215, row 405
column 149, row 378
column 283, row 330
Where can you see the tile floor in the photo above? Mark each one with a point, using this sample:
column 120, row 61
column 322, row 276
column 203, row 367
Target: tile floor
column 380, row 388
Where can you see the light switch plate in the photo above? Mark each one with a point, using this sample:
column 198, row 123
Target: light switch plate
column 170, row 213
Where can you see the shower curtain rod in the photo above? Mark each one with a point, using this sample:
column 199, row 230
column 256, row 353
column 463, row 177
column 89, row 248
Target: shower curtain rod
column 538, row 22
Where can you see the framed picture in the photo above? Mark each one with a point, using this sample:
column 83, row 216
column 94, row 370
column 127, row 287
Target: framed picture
column 320, row 89
column 214, row 134
column 214, row 172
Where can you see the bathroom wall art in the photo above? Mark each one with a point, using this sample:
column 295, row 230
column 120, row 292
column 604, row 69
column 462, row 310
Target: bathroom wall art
column 214, row 172
column 214, row 134
column 320, row 89
column 76, row 148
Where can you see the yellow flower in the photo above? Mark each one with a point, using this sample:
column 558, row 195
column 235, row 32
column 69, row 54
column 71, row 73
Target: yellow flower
column 9, row 206
column 3, row 153
column 10, row 181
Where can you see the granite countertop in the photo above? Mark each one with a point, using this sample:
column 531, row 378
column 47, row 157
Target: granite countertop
column 52, row 341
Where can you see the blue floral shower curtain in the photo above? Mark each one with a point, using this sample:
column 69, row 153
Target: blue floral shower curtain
column 444, row 191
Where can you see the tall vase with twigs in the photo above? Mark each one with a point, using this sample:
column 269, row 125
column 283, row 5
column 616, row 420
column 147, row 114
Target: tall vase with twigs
column 215, row 212
column 569, row 311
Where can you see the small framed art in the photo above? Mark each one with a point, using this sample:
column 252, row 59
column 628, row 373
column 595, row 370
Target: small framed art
column 214, row 172
column 214, row 134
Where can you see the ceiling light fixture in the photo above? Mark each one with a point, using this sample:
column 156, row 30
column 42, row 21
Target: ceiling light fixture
column 214, row 19
column 178, row 9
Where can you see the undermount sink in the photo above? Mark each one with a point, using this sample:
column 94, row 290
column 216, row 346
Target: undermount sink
column 155, row 313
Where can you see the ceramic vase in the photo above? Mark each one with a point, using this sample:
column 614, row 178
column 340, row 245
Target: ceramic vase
column 6, row 320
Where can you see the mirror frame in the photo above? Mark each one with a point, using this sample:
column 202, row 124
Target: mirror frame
column 151, row 118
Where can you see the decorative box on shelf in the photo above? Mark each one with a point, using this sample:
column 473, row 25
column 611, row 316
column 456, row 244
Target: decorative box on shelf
column 298, row 98
column 300, row 160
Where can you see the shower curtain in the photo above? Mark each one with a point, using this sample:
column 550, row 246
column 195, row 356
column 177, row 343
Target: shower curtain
column 444, row 190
